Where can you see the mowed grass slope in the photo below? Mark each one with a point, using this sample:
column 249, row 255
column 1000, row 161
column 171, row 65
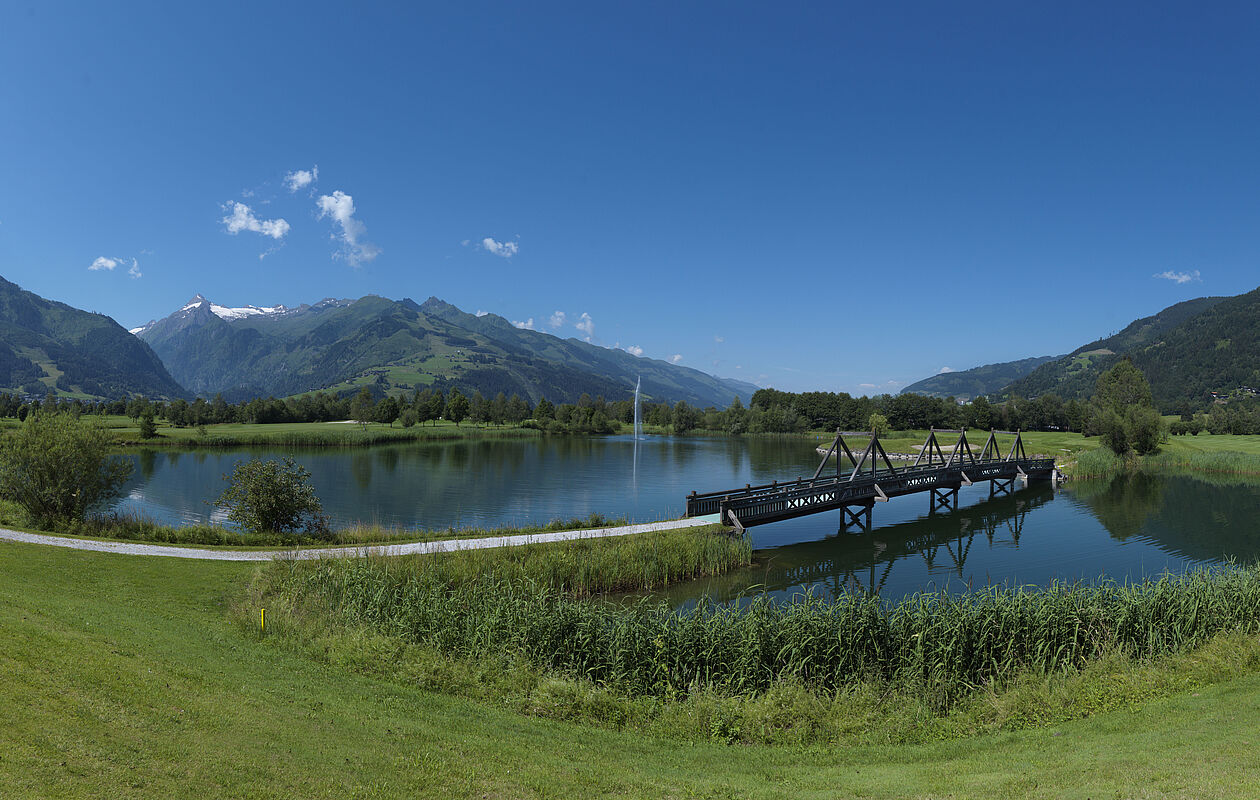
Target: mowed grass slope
column 125, row 677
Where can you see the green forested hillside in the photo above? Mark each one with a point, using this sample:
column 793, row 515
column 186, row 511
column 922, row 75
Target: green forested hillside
column 1074, row 375
column 397, row 344
column 971, row 383
column 1215, row 351
column 45, row 345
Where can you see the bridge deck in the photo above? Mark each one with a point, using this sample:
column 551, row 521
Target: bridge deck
column 757, row 505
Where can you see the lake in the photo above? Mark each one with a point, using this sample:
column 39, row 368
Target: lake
column 1134, row 526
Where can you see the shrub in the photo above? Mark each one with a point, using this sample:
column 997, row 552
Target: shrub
column 58, row 468
column 273, row 496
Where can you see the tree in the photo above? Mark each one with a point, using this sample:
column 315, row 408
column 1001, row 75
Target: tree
column 1145, row 429
column 517, row 409
column 545, row 410
column 1123, row 412
column 499, row 409
column 387, row 411
column 58, row 468
column 148, row 429
column 363, row 407
column 979, row 414
column 878, row 424
column 1122, row 386
column 736, row 418
column 685, row 417
column 178, row 413
column 479, row 409
column 437, row 406
column 273, row 496
column 138, row 406
column 456, row 407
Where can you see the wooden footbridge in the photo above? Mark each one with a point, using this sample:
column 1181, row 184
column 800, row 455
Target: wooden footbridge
column 856, row 491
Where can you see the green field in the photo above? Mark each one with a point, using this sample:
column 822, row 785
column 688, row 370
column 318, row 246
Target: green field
column 300, row 434
column 125, row 677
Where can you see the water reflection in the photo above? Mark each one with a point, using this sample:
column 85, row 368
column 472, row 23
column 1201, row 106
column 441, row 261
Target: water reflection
column 1124, row 529
column 1129, row 527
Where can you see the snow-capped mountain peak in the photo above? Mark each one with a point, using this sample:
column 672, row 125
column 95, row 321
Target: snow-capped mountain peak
column 224, row 312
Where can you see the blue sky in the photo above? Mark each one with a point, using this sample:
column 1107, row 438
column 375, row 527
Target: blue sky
column 809, row 196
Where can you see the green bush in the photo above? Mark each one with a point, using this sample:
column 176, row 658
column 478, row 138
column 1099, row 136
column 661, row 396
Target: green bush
column 273, row 496
column 57, row 468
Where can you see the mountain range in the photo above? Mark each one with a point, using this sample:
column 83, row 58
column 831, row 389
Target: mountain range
column 46, row 345
column 1187, row 352
column 340, row 345
column 968, row 384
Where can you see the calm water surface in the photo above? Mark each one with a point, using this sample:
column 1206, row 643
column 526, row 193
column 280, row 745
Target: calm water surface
column 1123, row 529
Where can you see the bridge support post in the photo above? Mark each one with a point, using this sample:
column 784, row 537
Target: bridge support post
column 944, row 500
column 1001, row 487
column 856, row 515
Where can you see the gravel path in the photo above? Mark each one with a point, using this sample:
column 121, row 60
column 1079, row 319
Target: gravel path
column 443, row 546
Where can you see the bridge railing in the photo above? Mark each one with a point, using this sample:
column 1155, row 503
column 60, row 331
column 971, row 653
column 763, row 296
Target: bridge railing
column 937, row 468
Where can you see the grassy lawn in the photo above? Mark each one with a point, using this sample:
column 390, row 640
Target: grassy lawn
column 127, row 431
column 125, row 677
column 1207, row 443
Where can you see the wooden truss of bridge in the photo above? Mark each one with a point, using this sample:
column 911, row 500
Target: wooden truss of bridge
column 855, row 491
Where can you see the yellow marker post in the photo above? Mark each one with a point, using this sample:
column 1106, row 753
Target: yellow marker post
column 262, row 620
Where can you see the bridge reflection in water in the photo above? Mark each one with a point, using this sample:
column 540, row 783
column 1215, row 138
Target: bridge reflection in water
column 934, row 551
column 942, row 543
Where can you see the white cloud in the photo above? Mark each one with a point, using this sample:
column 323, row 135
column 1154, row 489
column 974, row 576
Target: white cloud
column 557, row 319
column 867, row 385
column 466, row 242
column 719, row 339
column 675, row 358
column 586, row 325
column 108, row 264
column 501, row 249
column 340, row 206
column 634, row 350
column 527, row 325
column 242, row 218
column 1178, row 277
column 943, row 370
column 481, row 313
column 301, row 178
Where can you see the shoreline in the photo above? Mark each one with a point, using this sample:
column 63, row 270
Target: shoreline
column 386, row 550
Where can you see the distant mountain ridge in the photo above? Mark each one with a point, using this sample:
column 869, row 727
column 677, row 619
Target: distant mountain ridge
column 46, row 345
column 1187, row 351
column 223, row 312
column 397, row 344
column 968, row 384
column 1074, row 375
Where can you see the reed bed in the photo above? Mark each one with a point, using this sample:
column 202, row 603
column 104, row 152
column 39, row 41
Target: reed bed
column 581, row 567
column 1099, row 463
column 936, row 647
column 1231, row 463
column 1102, row 463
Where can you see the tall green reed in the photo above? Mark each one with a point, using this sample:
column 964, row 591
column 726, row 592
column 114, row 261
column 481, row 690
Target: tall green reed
column 939, row 646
